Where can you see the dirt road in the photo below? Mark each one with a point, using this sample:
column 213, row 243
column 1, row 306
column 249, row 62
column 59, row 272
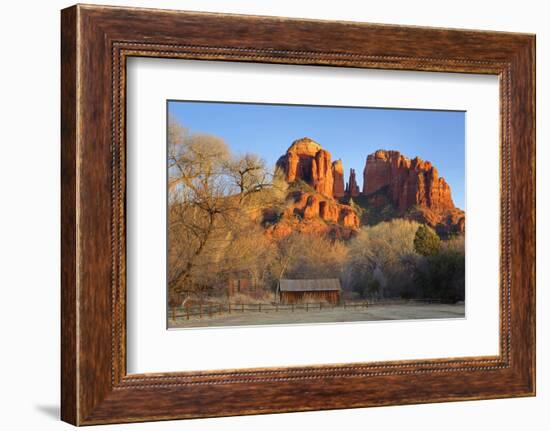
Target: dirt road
column 373, row 313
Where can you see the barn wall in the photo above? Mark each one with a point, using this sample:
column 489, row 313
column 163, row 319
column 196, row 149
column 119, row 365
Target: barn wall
column 330, row 296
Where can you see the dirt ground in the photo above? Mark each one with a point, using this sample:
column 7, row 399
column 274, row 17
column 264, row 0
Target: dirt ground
column 372, row 313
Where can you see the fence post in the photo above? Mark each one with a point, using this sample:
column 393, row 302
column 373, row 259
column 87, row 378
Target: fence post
column 200, row 310
column 293, row 307
column 320, row 305
column 242, row 307
column 187, row 310
column 276, row 308
column 260, row 307
column 229, row 308
column 307, row 306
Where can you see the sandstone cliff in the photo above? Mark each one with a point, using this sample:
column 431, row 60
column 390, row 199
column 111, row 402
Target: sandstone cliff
column 393, row 186
column 309, row 206
column 313, row 213
column 413, row 187
column 316, row 210
column 338, row 190
column 306, row 160
column 410, row 182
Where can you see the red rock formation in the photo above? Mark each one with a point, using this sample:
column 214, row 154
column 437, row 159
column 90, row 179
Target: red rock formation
column 338, row 190
column 412, row 186
column 409, row 182
column 445, row 223
column 292, row 161
column 310, row 206
column 287, row 227
column 313, row 212
column 393, row 185
column 352, row 188
column 348, row 218
column 377, row 172
column 305, row 160
column 323, row 182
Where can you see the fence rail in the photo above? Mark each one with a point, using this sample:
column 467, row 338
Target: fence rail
column 211, row 310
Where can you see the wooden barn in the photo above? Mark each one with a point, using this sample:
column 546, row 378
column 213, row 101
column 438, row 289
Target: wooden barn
column 311, row 290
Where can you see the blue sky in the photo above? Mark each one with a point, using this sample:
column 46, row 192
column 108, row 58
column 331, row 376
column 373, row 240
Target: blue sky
column 349, row 134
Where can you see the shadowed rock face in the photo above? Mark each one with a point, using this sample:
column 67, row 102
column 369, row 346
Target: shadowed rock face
column 410, row 182
column 352, row 188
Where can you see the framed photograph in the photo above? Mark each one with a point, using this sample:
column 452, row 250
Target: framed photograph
column 264, row 214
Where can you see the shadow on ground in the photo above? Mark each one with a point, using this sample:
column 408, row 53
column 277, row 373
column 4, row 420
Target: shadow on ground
column 52, row 411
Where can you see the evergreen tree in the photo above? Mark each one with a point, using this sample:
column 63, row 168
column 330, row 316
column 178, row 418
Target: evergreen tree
column 426, row 241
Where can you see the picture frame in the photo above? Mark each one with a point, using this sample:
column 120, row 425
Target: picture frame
column 96, row 42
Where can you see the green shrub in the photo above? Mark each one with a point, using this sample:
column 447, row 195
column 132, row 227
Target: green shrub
column 442, row 275
column 426, row 241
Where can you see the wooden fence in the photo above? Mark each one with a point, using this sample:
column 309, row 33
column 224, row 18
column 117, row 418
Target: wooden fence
column 211, row 310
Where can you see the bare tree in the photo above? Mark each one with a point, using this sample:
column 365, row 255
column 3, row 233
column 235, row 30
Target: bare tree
column 382, row 253
column 309, row 256
column 210, row 230
column 198, row 205
column 249, row 175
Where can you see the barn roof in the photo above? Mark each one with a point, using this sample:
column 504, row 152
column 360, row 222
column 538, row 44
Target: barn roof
column 322, row 284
